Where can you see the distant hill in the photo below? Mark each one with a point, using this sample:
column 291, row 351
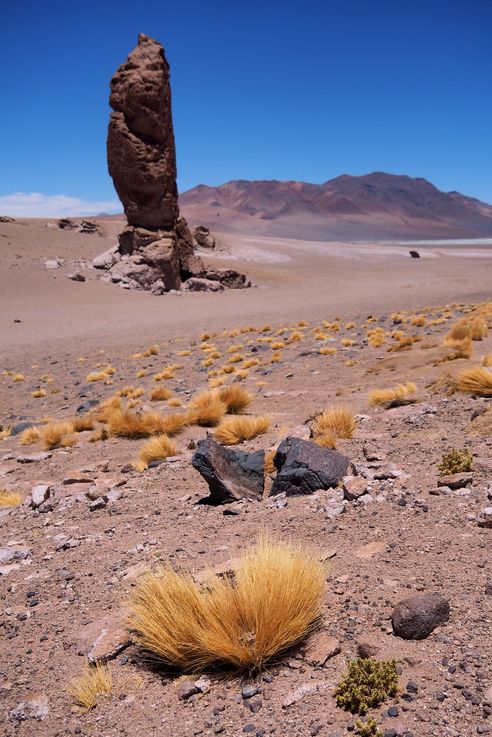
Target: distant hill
column 374, row 206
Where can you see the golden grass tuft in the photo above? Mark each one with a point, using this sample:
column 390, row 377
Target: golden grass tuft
column 100, row 434
column 478, row 329
column 83, row 424
column 94, row 682
column 140, row 374
column 207, row 409
column 155, row 449
column 487, row 360
column 96, row 376
column 394, row 396
column 160, row 394
column 18, row 377
column 57, row 435
column 460, row 330
column 174, row 402
column 272, row 603
column 216, row 382
column 126, row 424
column 235, row 398
column 476, row 380
column 106, row 409
column 268, row 464
column 249, row 363
column 236, row 429
column 30, row 436
column 333, row 423
column 38, row 393
column 183, row 353
column 327, row 351
column 328, row 440
column 9, row 498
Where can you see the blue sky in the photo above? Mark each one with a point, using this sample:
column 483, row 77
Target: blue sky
column 261, row 90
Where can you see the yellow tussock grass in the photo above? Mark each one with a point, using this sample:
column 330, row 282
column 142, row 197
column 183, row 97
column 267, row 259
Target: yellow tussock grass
column 38, row 393
column 235, row 398
column 215, row 382
column 249, row 363
column 57, row 435
column 235, row 348
column 418, row 321
column 30, row 436
column 478, row 329
column 236, row 429
column 227, row 369
column 461, row 348
column 346, row 342
column 327, row 350
column 487, row 360
column 165, row 374
column 93, row 683
column 174, row 402
column 460, row 330
column 155, row 449
column 241, row 374
column 338, row 422
column 126, row 424
column 160, row 394
column 152, row 350
column 328, row 440
column 394, row 396
column 140, row 374
column 9, row 498
column 18, row 377
column 5, row 433
column 207, row 362
column 476, row 380
column 100, row 434
column 236, row 358
column 103, row 412
column 349, row 325
column 183, row 353
column 207, row 409
column 96, row 376
column 276, row 357
column 272, row 603
column 82, row 424
column 277, row 345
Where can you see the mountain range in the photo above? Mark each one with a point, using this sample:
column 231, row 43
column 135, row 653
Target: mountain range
column 374, row 206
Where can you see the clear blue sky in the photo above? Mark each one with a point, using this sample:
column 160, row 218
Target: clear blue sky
column 261, row 90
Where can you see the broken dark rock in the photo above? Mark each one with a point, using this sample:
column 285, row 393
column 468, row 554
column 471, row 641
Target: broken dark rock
column 304, row 467
column 199, row 284
column 414, row 254
column 415, row 618
column 77, row 276
column 230, row 474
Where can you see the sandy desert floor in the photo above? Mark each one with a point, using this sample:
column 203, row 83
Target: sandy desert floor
column 66, row 570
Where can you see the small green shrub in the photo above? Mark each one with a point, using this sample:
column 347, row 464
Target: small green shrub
column 368, row 729
column 455, row 461
column 366, row 684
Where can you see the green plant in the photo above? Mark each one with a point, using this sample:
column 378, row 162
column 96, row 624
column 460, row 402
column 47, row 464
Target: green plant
column 368, row 729
column 455, row 461
column 366, row 684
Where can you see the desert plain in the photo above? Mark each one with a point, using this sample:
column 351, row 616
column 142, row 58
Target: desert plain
column 303, row 333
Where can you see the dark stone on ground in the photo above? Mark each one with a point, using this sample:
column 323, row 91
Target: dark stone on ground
column 230, row 474
column 304, row 467
column 415, row 618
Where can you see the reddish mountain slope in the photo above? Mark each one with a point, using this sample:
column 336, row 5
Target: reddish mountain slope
column 377, row 205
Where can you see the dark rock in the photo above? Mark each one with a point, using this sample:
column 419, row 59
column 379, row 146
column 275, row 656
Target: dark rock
column 230, row 474
column 414, row 254
column 77, row 276
column 86, row 406
column 304, row 467
column 247, row 692
column 21, row 426
column 415, row 618
column 67, row 224
column 198, row 284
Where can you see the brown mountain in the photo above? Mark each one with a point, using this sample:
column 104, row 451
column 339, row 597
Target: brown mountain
column 373, row 206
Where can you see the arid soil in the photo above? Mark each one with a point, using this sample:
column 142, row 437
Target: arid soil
column 67, row 567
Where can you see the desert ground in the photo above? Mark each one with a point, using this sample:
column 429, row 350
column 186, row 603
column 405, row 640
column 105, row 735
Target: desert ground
column 303, row 334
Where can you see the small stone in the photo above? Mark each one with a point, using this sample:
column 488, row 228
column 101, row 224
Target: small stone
column 367, row 650
column 247, row 692
column 77, row 276
column 354, row 487
column 412, row 687
column 186, row 688
column 415, row 618
column 98, row 504
column 306, row 689
column 39, row 494
column 33, row 457
column 321, row 647
column 456, row 480
column 36, row 707
column 393, row 711
column 485, row 519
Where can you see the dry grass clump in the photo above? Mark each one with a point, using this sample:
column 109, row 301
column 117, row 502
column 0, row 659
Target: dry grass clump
column 476, row 380
column 394, row 396
column 94, row 682
column 376, row 337
column 103, row 411
column 461, row 348
column 460, row 330
column 126, row 424
column 272, row 603
column 155, row 449
column 140, row 374
column 30, row 436
column 268, row 464
column 327, row 351
column 487, row 360
column 82, row 424
column 207, row 409
column 18, row 377
column 57, row 435
column 38, row 393
column 418, row 321
column 9, row 498
column 100, row 434
column 236, row 429
column 333, row 423
column 478, row 329
column 216, row 382
column 160, row 394
column 235, row 398
column 250, row 363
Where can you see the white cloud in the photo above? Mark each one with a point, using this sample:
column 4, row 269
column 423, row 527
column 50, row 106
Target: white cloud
column 37, row 205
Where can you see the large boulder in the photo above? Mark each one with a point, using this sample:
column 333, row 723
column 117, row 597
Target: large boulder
column 305, row 467
column 415, row 618
column 203, row 237
column 230, row 474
